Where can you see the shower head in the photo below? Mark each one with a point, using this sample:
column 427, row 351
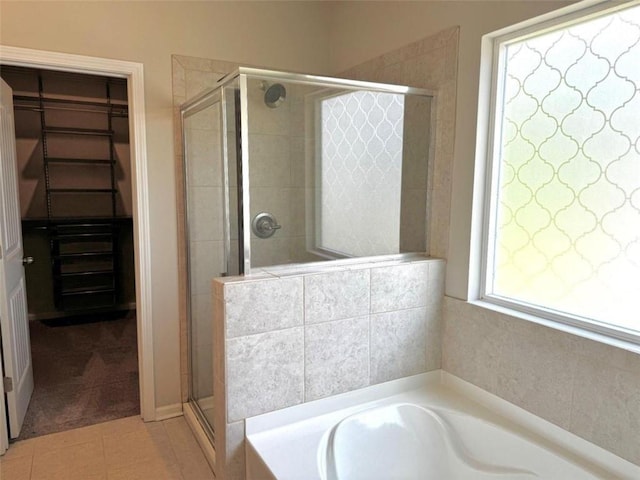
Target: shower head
column 274, row 95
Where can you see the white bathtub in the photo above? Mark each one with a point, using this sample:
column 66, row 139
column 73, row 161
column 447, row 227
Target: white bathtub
column 410, row 441
column 431, row 426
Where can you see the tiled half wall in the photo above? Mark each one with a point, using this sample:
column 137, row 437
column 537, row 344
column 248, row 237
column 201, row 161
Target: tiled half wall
column 282, row 341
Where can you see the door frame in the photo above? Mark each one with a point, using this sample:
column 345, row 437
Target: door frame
column 134, row 74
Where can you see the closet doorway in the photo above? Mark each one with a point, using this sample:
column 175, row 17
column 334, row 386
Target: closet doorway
column 74, row 183
column 132, row 72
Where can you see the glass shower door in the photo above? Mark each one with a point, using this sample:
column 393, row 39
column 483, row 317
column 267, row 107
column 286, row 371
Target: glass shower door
column 208, row 183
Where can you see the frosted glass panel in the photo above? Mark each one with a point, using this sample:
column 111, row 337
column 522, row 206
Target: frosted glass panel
column 568, row 212
column 361, row 173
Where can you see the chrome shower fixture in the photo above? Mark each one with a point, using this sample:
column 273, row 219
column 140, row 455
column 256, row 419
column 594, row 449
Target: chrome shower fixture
column 274, row 94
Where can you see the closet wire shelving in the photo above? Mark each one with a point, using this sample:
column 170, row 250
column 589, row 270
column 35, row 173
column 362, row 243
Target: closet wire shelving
column 84, row 248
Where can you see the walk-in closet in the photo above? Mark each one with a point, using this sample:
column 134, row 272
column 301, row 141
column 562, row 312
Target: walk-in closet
column 74, row 176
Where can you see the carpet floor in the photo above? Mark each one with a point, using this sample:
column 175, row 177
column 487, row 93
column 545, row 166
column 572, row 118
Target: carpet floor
column 85, row 372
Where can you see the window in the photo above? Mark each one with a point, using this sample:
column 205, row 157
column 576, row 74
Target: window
column 562, row 227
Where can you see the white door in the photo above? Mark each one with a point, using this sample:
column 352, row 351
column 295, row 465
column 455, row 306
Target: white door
column 14, row 326
column 4, row 434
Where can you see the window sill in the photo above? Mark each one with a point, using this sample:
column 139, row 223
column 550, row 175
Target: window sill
column 625, row 344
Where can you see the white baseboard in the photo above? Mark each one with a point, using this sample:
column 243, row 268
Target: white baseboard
column 168, row 411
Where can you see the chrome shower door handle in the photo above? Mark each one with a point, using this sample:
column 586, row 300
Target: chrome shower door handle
column 264, row 225
column 27, row 260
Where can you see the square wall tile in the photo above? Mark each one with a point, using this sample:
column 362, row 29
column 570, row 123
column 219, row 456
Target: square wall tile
column 205, row 121
column 336, row 357
column 220, row 422
column 205, row 159
column 398, row 344
column 435, row 327
column 202, row 371
column 206, row 215
column 275, row 200
column 234, row 461
column 199, row 81
column 269, row 161
column 207, row 262
column 178, row 84
column 437, row 273
column 202, row 319
column 265, row 372
column 536, row 373
column 399, row 286
column 606, row 408
column 261, row 306
column 298, row 212
column 472, row 344
column 267, row 252
column 336, row 295
column 298, row 161
column 218, row 340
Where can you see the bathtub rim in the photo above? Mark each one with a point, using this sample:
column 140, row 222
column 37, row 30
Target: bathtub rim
column 577, row 450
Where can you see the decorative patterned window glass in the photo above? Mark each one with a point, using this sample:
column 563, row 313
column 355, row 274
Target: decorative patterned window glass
column 564, row 234
column 360, row 173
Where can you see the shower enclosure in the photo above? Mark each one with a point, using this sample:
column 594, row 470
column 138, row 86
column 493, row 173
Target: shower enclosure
column 285, row 169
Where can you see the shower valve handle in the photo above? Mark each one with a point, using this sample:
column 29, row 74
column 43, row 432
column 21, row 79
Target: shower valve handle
column 264, row 225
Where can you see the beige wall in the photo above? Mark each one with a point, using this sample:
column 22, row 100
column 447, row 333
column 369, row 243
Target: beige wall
column 283, row 35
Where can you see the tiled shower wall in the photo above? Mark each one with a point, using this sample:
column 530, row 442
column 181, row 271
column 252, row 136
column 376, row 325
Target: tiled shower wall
column 278, row 173
column 282, row 341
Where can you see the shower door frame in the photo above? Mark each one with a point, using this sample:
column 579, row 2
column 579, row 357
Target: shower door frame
column 192, row 107
column 242, row 75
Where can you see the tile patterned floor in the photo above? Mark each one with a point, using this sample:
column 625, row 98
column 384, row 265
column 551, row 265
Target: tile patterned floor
column 125, row 449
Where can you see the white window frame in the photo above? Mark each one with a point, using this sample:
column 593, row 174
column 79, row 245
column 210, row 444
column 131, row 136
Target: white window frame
column 486, row 172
